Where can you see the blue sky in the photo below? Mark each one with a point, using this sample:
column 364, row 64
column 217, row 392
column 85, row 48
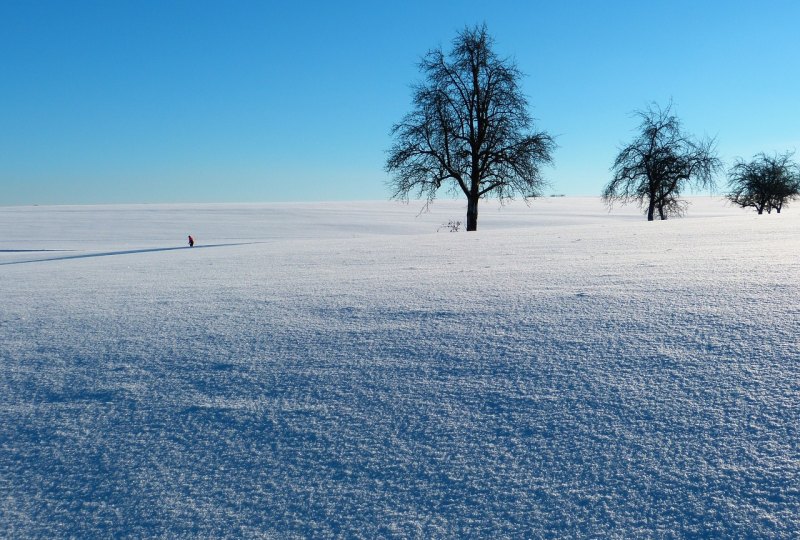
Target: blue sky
column 195, row 101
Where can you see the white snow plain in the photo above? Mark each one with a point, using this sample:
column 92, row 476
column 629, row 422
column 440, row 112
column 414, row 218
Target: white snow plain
column 345, row 370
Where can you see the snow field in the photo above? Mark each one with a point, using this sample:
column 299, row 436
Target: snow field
column 564, row 372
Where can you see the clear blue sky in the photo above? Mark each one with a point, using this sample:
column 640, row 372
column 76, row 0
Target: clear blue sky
column 196, row 101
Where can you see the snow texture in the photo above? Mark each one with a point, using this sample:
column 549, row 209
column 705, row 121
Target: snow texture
column 345, row 370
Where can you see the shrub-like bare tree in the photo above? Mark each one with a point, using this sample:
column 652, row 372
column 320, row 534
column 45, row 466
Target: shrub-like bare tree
column 765, row 182
column 469, row 129
column 659, row 164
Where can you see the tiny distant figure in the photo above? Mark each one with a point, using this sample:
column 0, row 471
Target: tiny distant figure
column 191, row 241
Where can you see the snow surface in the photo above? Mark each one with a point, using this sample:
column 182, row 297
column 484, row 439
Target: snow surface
column 345, row 370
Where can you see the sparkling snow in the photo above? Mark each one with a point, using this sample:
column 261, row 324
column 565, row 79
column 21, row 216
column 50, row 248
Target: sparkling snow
column 345, row 370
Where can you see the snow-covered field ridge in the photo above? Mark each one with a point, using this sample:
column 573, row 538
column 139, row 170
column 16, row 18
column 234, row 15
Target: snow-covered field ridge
column 345, row 370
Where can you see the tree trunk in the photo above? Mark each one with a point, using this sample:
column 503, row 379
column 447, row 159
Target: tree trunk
column 472, row 213
column 651, row 209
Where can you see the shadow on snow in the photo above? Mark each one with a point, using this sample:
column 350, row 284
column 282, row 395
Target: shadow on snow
column 110, row 253
column 31, row 250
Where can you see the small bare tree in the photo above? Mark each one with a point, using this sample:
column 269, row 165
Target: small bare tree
column 469, row 129
column 765, row 182
column 659, row 164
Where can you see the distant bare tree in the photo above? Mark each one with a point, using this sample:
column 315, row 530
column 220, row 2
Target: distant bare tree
column 659, row 164
column 765, row 183
column 469, row 129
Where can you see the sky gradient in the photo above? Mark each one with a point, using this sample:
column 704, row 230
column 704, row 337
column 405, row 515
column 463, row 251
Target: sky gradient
column 194, row 101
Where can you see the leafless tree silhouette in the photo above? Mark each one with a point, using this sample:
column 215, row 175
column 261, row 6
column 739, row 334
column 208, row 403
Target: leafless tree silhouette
column 764, row 183
column 469, row 129
column 659, row 164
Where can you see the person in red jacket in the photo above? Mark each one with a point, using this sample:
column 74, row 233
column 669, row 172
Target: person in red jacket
column 191, row 241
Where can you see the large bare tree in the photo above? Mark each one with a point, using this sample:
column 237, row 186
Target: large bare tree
column 765, row 182
column 659, row 164
column 469, row 129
